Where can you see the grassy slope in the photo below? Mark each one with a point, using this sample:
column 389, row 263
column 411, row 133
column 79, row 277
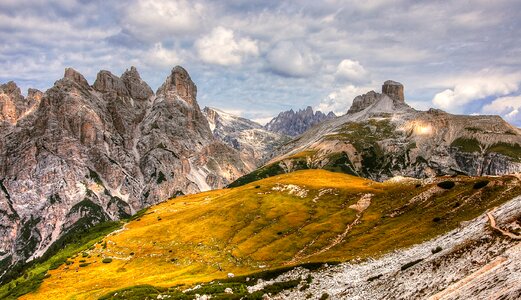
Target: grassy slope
column 35, row 274
column 247, row 229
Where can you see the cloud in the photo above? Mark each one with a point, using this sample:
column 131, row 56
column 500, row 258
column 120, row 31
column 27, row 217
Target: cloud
column 474, row 87
column 293, row 60
column 158, row 56
column 154, row 20
column 340, row 100
column 221, row 47
column 351, row 70
column 507, row 107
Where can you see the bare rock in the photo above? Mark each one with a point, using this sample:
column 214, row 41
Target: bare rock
column 180, row 83
column 107, row 82
column 137, row 88
column 76, row 77
column 394, row 90
column 294, row 123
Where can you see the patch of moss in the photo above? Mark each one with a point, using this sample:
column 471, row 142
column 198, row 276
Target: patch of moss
column 511, row 150
column 466, row 145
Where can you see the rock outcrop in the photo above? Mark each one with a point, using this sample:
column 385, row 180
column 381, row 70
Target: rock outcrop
column 86, row 154
column 13, row 105
column 255, row 143
column 381, row 137
column 394, row 90
column 391, row 99
column 294, row 123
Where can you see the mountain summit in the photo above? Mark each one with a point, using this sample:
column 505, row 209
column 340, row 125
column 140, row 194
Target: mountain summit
column 78, row 155
column 381, row 137
column 294, row 123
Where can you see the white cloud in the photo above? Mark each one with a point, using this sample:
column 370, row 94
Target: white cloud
column 221, row 47
column 289, row 59
column 351, row 70
column 508, row 107
column 154, row 20
column 158, row 56
column 473, row 87
column 340, row 100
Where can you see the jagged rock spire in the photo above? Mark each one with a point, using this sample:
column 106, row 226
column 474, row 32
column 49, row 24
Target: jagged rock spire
column 75, row 76
column 180, row 82
column 137, row 88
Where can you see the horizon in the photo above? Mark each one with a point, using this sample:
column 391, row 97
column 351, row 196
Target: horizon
column 263, row 57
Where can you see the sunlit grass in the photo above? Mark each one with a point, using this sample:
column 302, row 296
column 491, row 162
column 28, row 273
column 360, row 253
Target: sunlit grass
column 251, row 228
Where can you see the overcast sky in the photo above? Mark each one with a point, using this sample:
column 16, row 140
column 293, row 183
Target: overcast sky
column 257, row 58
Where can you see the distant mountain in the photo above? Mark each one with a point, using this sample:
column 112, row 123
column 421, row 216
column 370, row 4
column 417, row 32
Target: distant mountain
column 255, row 143
column 78, row 155
column 381, row 137
column 295, row 123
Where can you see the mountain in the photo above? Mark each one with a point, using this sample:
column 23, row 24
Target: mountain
column 78, row 155
column 255, row 143
column 403, row 238
column 295, row 123
column 381, row 137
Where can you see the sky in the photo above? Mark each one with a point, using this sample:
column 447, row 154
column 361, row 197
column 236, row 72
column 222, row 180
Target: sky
column 257, row 58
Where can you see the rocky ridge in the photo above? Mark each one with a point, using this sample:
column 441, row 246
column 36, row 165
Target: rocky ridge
column 295, row 123
column 255, row 143
column 78, row 155
column 381, row 137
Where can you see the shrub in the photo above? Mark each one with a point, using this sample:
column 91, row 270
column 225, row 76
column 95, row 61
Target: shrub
column 410, row 264
column 447, row 185
column 436, row 219
column 480, row 184
column 84, row 254
column 107, row 260
column 436, row 250
column 257, row 186
column 84, row 265
column 324, row 296
column 82, row 260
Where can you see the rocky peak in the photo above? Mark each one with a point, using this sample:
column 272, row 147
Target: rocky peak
column 76, row 77
column 390, row 99
column 13, row 105
column 180, row 83
column 107, row 82
column 34, row 94
column 10, row 88
column 361, row 102
column 294, row 123
column 137, row 88
column 394, row 90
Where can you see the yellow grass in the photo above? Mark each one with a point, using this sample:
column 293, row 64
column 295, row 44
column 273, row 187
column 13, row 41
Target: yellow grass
column 247, row 229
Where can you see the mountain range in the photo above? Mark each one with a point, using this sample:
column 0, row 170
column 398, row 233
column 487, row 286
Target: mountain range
column 384, row 181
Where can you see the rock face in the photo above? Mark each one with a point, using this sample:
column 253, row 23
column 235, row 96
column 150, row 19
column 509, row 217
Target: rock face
column 391, row 98
column 79, row 155
column 14, row 106
column 394, row 90
column 294, row 123
column 255, row 143
column 381, row 137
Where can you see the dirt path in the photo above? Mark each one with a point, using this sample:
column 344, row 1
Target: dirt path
column 504, row 232
column 360, row 206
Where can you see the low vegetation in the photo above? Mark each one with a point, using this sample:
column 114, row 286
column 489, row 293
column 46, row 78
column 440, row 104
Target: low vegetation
column 252, row 231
